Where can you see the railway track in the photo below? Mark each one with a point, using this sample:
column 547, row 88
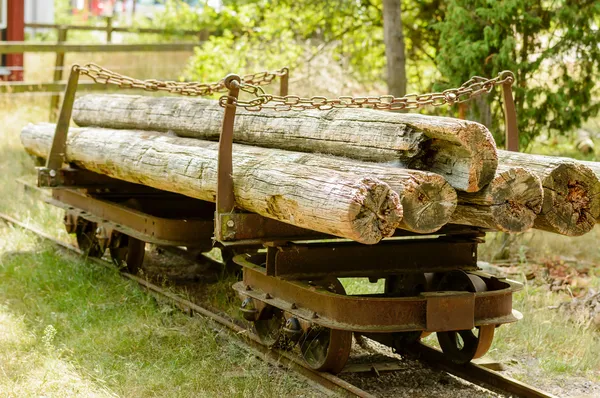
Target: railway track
column 326, row 383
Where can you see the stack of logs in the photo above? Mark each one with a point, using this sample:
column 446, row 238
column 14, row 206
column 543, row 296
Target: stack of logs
column 354, row 173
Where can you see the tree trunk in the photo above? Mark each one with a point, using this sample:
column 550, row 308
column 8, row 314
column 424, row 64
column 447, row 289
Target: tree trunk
column 571, row 192
column 362, row 209
column 461, row 151
column 393, row 37
column 510, row 203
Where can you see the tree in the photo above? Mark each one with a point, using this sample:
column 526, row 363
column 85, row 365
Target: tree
column 393, row 37
column 553, row 48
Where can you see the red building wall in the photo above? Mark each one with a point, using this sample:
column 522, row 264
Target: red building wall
column 15, row 31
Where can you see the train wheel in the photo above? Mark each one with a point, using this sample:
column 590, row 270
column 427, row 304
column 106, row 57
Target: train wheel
column 404, row 340
column 464, row 345
column 129, row 254
column 325, row 349
column 87, row 241
column 270, row 329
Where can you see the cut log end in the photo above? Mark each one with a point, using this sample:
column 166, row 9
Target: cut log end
column 517, row 196
column 377, row 213
column 510, row 202
column 462, row 151
column 571, row 200
column 428, row 204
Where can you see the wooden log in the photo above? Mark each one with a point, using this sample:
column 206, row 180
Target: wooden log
column 461, row 151
column 595, row 167
column 571, row 192
column 427, row 199
column 362, row 209
column 510, row 203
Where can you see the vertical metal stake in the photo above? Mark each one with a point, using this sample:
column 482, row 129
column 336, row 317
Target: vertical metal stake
column 57, row 153
column 225, row 198
column 109, row 29
column 284, row 82
column 510, row 118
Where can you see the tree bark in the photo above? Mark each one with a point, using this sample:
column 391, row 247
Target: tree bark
column 510, row 203
column 571, row 192
column 393, row 38
column 341, row 204
column 461, row 151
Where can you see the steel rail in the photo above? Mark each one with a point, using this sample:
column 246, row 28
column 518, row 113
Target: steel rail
column 477, row 374
column 329, row 382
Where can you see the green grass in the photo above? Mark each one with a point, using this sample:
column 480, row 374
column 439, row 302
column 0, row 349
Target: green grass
column 547, row 338
column 70, row 327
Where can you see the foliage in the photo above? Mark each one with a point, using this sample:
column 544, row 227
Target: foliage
column 553, row 47
column 258, row 35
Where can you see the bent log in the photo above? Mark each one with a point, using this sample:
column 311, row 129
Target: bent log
column 510, row 203
column 336, row 203
column 461, row 151
column 571, row 192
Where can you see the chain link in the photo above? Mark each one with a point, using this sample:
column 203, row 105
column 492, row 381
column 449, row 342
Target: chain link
column 252, row 83
column 471, row 88
column 105, row 76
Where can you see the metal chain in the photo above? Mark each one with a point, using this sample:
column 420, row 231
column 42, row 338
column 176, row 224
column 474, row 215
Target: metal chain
column 105, row 76
column 252, row 83
column 471, row 88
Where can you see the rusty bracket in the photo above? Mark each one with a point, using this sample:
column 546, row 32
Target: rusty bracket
column 229, row 225
column 510, row 117
column 77, row 178
column 429, row 311
column 225, row 196
column 48, row 176
column 284, row 82
column 246, row 226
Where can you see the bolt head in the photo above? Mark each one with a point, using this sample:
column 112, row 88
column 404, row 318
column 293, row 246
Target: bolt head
column 247, row 302
column 52, row 173
column 230, row 224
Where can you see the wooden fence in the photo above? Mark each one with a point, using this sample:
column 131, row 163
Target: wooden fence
column 61, row 47
column 109, row 28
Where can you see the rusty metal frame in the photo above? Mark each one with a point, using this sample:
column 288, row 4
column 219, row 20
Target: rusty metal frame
column 318, row 260
column 132, row 222
column 431, row 312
